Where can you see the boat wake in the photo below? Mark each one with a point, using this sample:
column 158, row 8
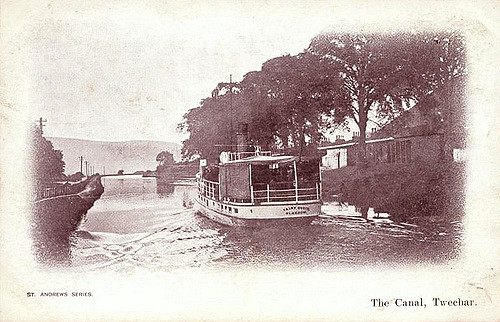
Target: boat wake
column 180, row 242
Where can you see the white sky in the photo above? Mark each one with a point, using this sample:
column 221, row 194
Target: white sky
column 130, row 71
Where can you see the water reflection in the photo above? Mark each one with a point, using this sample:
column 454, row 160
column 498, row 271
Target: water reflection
column 164, row 189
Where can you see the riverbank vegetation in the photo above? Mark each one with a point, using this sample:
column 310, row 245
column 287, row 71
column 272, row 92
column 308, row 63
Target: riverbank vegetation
column 403, row 190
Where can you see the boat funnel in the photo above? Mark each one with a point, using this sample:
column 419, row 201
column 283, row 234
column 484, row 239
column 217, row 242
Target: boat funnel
column 242, row 137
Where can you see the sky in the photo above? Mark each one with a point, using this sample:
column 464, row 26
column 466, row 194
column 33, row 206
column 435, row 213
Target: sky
column 130, row 72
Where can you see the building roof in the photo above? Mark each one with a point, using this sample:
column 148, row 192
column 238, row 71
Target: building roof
column 345, row 145
column 263, row 160
column 260, row 159
column 431, row 114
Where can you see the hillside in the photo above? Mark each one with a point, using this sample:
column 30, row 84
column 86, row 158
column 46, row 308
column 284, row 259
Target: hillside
column 129, row 155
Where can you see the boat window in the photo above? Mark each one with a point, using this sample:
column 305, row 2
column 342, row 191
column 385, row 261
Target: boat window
column 267, row 174
column 236, row 210
column 230, row 209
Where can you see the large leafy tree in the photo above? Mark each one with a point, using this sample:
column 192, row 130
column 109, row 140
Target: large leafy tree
column 284, row 104
column 212, row 125
column 290, row 97
column 382, row 73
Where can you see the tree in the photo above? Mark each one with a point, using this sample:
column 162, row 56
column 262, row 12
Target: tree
column 77, row 176
column 47, row 163
column 165, row 157
column 383, row 73
column 284, row 105
column 212, row 125
column 289, row 100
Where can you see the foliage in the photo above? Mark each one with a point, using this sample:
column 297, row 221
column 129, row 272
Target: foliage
column 284, row 105
column 76, row 176
column 382, row 73
column 403, row 190
column 47, row 163
column 293, row 100
column 291, row 93
column 165, row 157
column 209, row 126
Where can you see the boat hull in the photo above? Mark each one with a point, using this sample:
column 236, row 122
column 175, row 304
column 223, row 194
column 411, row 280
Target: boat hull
column 261, row 216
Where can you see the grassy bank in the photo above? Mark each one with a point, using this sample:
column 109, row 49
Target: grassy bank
column 403, row 190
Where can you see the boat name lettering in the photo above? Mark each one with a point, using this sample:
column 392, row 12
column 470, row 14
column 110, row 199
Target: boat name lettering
column 291, row 208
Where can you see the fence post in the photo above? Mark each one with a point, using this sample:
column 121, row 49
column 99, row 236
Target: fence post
column 296, row 181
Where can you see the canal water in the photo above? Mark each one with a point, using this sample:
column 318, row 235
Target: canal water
column 138, row 223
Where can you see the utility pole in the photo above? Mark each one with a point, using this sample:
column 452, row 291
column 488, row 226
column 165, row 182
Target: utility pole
column 41, row 125
column 231, row 111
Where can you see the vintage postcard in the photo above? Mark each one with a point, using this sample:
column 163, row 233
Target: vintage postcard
column 250, row 160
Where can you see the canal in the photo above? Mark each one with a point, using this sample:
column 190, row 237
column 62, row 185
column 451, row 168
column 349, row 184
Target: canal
column 138, row 223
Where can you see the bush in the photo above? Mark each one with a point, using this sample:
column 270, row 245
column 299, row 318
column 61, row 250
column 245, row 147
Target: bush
column 403, row 190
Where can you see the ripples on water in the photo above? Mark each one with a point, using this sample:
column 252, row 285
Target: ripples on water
column 138, row 223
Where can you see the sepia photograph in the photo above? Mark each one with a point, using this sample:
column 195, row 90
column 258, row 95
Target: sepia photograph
column 245, row 160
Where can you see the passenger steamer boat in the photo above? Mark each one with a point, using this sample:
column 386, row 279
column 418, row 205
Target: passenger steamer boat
column 260, row 189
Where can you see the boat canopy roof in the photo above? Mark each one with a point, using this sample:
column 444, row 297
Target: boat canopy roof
column 265, row 159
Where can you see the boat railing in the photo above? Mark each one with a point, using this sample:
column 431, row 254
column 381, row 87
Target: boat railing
column 209, row 189
column 271, row 193
column 242, row 155
column 304, row 191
